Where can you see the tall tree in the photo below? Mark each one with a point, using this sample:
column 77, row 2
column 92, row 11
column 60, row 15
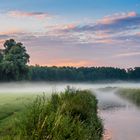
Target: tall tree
column 14, row 59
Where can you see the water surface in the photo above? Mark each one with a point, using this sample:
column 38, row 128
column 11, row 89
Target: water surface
column 121, row 118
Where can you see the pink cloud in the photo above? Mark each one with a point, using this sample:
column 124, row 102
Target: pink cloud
column 60, row 28
column 10, row 31
column 105, row 41
column 66, row 62
column 69, row 26
column 110, row 19
column 128, row 54
column 39, row 15
column 132, row 14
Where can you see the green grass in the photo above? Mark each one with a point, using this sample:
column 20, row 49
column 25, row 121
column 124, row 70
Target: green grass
column 132, row 95
column 10, row 106
column 71, row 115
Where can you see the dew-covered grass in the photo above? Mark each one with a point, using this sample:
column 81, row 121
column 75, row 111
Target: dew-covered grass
column 68, row 115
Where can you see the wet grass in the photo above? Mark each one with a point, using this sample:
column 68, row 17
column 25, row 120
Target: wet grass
column 10, row 106
column 71, row 115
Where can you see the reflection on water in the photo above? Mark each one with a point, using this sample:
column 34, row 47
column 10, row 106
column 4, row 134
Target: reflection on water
column 108, row 100
column 121, row 118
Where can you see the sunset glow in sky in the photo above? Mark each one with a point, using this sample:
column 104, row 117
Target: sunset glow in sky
column 74, row 32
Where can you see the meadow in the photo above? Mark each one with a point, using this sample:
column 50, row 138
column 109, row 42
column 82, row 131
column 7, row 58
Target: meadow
column 10, row 106
column 71, row 115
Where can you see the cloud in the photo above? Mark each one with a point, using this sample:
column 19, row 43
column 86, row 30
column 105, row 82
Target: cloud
column 117, row 16
column 115, row 29
column 117, row 22
column 10, row 31
column 70, row 62
column 128, row 54
column 98, row 43
column 3, row 36
column 22, row 14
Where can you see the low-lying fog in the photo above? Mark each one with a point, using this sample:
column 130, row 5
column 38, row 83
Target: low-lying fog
column 26, row 87
column 121, row 118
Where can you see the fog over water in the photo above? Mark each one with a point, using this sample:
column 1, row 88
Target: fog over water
column 121, row 118
column 27, row 87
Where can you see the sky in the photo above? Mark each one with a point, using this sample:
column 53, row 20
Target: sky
column 74, row 32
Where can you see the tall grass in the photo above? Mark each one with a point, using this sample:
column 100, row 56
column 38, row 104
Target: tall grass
column 11, row 106
column 133, row 95
column 71, row 115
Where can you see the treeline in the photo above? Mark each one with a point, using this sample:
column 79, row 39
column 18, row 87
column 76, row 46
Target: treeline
column 42, row 73
column 14, row 67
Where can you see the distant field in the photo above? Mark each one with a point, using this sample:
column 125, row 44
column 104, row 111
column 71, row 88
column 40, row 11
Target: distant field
column 133, row 95
column 11, row 104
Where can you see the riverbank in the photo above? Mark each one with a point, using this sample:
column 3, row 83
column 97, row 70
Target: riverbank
column 71, row 114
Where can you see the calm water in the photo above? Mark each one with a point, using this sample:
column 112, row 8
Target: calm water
column 121, row 118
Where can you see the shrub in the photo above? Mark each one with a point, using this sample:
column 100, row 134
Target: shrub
column 71, row 115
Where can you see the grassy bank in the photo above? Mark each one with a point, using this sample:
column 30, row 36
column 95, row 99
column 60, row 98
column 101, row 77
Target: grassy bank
column 11, row 105
column 132, row 95
column 71, row 115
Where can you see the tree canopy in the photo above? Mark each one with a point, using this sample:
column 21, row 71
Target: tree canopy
column 13, row 61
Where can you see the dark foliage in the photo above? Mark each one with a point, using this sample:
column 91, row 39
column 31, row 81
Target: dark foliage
column 40, row 73
column 13, row 61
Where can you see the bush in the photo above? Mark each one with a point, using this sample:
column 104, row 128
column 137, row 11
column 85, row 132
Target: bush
column 71, row 115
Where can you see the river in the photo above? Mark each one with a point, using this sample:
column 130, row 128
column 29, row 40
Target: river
column 121, row 118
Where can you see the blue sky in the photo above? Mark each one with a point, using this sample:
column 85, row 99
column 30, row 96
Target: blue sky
column 75, row 32
column 73, row 8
